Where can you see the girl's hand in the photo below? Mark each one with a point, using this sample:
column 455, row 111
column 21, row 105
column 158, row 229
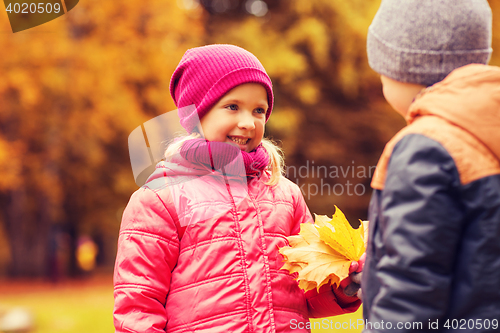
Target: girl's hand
column 352, row 284
column 357, row 266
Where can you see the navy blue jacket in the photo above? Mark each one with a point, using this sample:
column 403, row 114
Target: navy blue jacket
column 433, row 254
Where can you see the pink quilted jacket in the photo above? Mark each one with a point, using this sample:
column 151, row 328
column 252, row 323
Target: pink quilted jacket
column 198, row 252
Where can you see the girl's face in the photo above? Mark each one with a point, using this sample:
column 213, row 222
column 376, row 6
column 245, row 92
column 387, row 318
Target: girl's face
column 238, row 117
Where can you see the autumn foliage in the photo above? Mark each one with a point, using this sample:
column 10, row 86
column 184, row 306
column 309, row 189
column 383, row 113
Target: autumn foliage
column 324, row 250
column 73, row 89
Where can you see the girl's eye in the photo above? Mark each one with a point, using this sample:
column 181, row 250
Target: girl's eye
column 232, row 107
column 260, row 110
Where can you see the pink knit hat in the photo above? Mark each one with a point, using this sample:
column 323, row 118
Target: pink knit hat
column 205, row 74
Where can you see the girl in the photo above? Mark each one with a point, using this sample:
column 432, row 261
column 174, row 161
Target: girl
column 198, row 245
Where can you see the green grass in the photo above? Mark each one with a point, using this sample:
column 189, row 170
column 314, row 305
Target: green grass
column 87, row 306
column 84, row 307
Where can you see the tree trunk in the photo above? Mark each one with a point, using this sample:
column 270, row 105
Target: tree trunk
column 27, row 226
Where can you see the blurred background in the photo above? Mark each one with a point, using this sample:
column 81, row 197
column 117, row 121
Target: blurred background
column 73, row 89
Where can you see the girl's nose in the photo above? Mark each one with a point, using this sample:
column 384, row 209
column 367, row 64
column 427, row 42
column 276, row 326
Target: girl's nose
column 246, row 121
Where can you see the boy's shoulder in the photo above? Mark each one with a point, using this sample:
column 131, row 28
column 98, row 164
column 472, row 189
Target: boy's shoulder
column 471, row 157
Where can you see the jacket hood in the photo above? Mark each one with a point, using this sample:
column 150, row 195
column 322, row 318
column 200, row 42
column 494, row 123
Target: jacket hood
column 469, row 97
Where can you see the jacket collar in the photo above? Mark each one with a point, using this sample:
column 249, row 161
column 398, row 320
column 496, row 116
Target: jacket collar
column 469, row 97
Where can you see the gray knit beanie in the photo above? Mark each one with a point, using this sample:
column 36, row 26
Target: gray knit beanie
column 422, row 41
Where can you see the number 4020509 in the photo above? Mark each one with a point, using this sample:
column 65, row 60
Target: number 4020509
column 471, row 324
column 32, row 8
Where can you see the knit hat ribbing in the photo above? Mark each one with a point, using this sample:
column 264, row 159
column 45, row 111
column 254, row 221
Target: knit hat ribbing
column 205, row 74
column 422, row 41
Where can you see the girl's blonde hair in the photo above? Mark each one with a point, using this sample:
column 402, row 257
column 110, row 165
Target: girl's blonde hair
column 276, row 161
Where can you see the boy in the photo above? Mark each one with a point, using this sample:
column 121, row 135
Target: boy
column 433, row 257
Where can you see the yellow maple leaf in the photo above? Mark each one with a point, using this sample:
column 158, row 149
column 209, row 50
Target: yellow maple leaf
column 339, row 234
column 293, row 267
column 308, row 233
column 322, row 252
column 322, row 220
column 307, row 285
column 316, row 263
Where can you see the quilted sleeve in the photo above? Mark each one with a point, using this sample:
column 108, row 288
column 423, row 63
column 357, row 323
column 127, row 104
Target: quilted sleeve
column 330, row 301
column 148, row 248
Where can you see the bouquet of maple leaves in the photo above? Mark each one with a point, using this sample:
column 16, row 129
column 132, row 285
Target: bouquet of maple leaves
column 323, row 251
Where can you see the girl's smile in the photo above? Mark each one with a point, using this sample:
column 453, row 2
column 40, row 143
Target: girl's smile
column 241, row 142
column 238, row 140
